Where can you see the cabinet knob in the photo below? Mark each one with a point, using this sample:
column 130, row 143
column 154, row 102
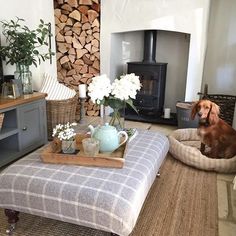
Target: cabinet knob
column 24, row 128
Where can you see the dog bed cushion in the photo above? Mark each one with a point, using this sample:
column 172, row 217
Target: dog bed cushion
column 185, row 145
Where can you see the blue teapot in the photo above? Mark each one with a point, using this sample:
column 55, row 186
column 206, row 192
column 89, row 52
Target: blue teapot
column 108, row 137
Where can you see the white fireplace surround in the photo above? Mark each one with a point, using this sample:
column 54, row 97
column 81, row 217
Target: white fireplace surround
column 184, row 16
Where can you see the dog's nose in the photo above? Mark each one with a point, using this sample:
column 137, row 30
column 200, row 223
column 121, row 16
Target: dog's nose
column 199, row 114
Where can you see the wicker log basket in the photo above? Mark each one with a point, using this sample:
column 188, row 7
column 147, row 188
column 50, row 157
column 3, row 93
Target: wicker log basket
column 225, row 102
column 60, row 112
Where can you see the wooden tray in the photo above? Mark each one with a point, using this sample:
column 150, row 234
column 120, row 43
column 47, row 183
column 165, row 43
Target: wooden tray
column 114, row 159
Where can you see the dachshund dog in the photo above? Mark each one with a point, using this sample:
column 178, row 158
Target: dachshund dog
column 213, row 131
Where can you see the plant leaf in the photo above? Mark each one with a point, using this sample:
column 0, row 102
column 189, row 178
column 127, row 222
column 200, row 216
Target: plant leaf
column 22, row 44
column 130, row 103
column 40, row 40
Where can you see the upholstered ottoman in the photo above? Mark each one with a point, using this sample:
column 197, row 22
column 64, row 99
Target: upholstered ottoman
column 108, row 199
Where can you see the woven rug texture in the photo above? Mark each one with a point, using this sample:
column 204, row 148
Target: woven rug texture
column 182, row 201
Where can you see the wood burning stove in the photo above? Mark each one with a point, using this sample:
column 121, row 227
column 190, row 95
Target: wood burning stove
column 150, row 99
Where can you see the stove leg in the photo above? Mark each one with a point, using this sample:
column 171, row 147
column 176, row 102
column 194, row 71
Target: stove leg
column 12, row 219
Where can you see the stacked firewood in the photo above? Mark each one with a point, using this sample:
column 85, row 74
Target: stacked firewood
column 77, row 26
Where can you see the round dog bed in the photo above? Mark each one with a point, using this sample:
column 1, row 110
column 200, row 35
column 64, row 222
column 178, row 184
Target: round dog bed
column 184, row 146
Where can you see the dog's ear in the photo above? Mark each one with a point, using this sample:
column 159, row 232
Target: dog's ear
column 215, row 111
column 194, row 110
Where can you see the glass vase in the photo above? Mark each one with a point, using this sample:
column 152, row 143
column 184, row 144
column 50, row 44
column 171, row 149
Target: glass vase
column 25, row 75
column 104, row 115
column 117, row 118
column 68, row 146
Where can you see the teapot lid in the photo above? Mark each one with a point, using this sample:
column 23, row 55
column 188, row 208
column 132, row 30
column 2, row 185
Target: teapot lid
column 106, row 126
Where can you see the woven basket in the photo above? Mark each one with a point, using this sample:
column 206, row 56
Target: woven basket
column 1, row 120
column 60, row 112
column 225, row 102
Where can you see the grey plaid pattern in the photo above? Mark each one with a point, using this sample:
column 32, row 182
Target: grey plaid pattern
column 108, row 199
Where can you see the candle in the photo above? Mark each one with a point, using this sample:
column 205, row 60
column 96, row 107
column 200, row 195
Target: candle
column 167, row 113
column 101, row 111
column 82, row 90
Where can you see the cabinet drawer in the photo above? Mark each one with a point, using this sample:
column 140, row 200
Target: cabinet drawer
column 31, row 125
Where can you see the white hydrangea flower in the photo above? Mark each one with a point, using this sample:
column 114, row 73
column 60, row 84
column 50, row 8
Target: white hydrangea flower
column 126, row 87
column 99, row 88
column 121, row 91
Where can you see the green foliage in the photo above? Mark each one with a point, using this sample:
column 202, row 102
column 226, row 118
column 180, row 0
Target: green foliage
column 23, row 44
column 116, row 103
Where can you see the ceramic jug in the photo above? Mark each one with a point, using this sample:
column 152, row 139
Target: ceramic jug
column 109, row 138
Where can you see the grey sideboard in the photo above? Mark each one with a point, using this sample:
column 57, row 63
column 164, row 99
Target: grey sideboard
column 24, row 126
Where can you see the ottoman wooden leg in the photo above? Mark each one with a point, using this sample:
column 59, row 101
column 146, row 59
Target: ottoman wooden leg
column 12, row 219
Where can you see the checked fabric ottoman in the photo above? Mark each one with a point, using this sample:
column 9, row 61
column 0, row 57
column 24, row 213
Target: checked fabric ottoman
column 108, row 199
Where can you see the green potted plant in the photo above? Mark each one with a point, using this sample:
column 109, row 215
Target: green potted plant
column 24, row 48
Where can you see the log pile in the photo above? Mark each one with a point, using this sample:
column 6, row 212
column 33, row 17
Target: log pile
column 77, row 26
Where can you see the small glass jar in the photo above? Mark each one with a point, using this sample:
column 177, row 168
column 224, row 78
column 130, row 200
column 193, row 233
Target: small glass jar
column 90, row 146
column 68, row 146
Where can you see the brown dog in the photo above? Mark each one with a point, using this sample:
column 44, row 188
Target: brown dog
column 213, row 131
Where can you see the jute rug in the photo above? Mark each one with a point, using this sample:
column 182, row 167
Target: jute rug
column 182, row 202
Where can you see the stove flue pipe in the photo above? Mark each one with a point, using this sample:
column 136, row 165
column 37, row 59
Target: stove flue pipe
column 149, row 55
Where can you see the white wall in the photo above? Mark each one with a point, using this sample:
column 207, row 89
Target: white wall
column 220, row 64
column 32, row 12
column 128, row 15
column 180, row 15
column 173, row 48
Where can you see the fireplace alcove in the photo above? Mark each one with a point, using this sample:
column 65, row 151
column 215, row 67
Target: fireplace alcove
column 150, row 99
column 181, row 41
column 162, row 68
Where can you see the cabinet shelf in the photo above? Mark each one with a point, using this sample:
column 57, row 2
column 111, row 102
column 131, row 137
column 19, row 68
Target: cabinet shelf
column 8, row 156
column 6, row 132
